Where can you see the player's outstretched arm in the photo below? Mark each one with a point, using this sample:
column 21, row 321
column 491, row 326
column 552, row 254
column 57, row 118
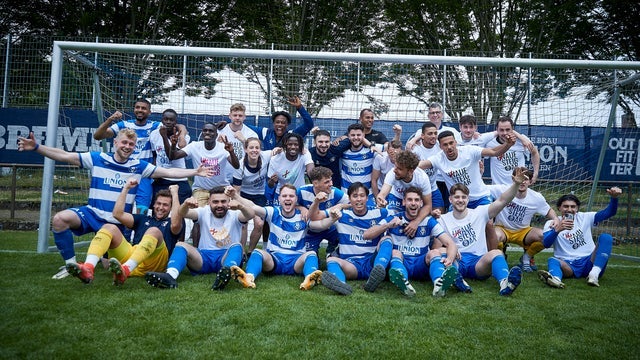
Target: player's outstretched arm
column 612, row 208
column 31, row 144
column 508, row 195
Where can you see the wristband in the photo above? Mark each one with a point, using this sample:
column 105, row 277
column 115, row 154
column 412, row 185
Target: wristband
column 36, row 148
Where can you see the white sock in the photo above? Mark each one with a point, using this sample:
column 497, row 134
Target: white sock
column 503, row 283
column 595, row 271
column 70, row 260
column 130, row 264
column 92, row 259
column 526, row 259
column 173, row 272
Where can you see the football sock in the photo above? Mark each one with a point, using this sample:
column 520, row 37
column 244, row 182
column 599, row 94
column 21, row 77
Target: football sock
column 605, row 243
column 177, row 261
column 145, row 248
column 64, row 243
column 554, row 267
column 334, row 268
column 397, row 263
column 310, row 264
column 384, row 253
column 234, row 256
column 436, row 268
column 535, row 248
column 99, row 246
column 499, row 268
column 254, row 264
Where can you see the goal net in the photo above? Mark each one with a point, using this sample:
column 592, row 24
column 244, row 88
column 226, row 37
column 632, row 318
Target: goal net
column 563, row 107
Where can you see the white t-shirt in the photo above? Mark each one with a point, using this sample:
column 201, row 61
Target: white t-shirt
column 519, row 212
column 162, row 160
column 216, row 159
column 289, row 172
column 502, row 166
column 469, row 232
column 209, row 225
column 238, row 146
column 456, row 135
column 577, row 242
column 480, row 141
column 252, row 183
column 383, row 164
column 423, row 154
column 464, row 169
column 396, row 195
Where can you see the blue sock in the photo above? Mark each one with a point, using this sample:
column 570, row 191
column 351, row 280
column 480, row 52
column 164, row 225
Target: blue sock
column 605, row 243
column 499, row 268
column 384, row 253
column 310, row 264
column 234, row 256
column 397, row 263
column 64, row 243
column 178, row 259
column 334, row 268
column 554, row 267
column 436, row 268
column 254, row 264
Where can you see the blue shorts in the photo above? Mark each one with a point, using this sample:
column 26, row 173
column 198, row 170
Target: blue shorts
column 259, row 200
column 581, row 266
column 416, row 267
column 89, row 221
column 436, row 199
column 313, row 239
column 363, row 263
column 211, row 261
column 467, row 266
column 144, row 193
column 284, row 263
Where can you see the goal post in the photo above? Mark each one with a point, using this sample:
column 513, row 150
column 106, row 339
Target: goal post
column 551, row 100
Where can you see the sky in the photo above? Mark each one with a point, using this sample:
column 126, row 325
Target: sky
column 573, row 110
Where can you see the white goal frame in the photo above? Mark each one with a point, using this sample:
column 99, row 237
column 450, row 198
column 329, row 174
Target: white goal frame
column 60, row 46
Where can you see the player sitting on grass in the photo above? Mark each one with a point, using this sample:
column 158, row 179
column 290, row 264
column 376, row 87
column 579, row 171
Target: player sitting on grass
column 155, row 236
column 466, row 227
column 413, row 257
column 358, row 258
column 286, row 252
column 218, row 248
column 574, row 251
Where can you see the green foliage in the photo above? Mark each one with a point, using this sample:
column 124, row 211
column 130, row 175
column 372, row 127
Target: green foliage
column 50, row 318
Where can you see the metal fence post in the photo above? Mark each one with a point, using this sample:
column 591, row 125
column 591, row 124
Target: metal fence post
column 5, row 90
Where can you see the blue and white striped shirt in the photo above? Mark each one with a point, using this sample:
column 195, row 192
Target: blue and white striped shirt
column 350, row 229
column 287, row 233
column 108, row 177
column 143, row 149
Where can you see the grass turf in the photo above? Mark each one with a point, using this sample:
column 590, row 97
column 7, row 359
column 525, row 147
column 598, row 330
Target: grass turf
column 42, row 317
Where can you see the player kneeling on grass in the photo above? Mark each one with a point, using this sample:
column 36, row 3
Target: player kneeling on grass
column 286, row 252
column 218, row 248
column 574, row 251
column 466, row 227
column 412, row 257
column 358, row 258
column 155, row 236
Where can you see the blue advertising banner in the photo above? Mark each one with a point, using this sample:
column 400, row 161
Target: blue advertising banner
column 569, row 153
